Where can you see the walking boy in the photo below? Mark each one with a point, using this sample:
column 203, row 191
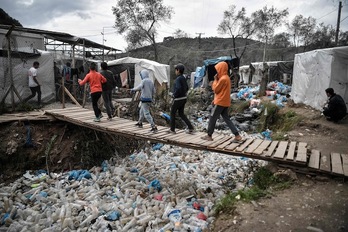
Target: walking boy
column 34, row 84
column 107, row 87
column 95, row 80
column 180, row 98
column 147, row 89
column 222, row 101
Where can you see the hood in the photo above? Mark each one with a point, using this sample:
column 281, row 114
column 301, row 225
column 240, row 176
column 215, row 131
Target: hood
column 221, row 68
column 144, row 74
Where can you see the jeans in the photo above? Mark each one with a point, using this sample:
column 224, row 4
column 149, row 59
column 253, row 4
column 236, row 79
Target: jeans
column 145, row 113
column 95, row 97
column 35, row 90
column 215, row 114
column 179, row 106
column 107, row 97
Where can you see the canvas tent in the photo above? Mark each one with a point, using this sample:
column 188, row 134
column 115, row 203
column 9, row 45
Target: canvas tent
column 278, row 71
column 317, row 70
column 20, row 77
column 158, row 72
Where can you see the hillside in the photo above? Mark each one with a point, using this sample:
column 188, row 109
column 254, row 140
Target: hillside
column 192, row 51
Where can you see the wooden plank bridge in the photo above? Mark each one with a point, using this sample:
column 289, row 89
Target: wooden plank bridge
column 293, row 154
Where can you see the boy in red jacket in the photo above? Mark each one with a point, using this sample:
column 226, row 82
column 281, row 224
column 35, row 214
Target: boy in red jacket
column 95, row 80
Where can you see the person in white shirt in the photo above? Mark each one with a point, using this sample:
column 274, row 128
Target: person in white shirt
column 34, row 85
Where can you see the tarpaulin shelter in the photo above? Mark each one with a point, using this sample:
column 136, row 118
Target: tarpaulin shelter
column 277, row 71
column 158, row 72
column 206, row 73
column 20, row 77
column 317, row 70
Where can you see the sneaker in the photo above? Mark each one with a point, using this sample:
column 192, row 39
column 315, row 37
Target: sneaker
column 139, row 124
column 207, row 137
column 237, row 139
column 101, row 115
column 109, row 119
column 171, row 132
column 154, row 129
column 96, row 120
column 189, row 131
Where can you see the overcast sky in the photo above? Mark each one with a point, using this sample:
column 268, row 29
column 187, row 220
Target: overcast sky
column 89, row 18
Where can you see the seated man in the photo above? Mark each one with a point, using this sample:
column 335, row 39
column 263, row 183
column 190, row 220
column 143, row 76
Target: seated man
column 336, row 108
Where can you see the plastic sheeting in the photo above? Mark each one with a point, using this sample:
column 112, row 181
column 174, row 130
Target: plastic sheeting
column 20, row 77
column 160, row 72
column 318, row 70
column 206, row 73
column 278, row 71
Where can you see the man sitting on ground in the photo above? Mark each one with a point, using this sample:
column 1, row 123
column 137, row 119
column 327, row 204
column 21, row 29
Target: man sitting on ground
column 336, row 108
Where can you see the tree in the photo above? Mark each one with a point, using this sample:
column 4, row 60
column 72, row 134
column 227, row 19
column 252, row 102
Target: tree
column 139, row 20
column 8, row 20
column 238, row 26
column 266, row 21
column 281, row 40
column 301, row 30
column 180, row 34
column 323, row 37
column 343, row 38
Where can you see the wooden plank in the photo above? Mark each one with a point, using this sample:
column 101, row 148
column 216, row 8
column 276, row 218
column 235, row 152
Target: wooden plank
column 325, row 163
column 179, row 135
column 64, row 110
column 291, row 151
column 280, row 152
column 336, row 162
column 207, row 143
column 301, row 152
column 225, row 144
column 314, row 159
column 232, row 146
column 244, row 145
column 254, row 145
column 271, row 148
column 196, row 137
column 345, row 163
column 221, row 141
column 262, row 147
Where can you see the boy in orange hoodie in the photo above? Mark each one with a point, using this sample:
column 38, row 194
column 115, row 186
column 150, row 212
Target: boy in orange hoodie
column 95, row 80
column 222, row 101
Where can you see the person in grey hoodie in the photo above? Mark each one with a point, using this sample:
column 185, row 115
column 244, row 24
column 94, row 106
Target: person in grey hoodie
column 147, row 89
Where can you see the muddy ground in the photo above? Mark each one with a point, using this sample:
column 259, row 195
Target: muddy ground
column 312, row 203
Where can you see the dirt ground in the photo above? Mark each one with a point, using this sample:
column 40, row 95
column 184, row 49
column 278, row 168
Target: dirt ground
column 312, row 203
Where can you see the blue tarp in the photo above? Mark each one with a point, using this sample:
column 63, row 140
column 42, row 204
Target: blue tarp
column 200, row 71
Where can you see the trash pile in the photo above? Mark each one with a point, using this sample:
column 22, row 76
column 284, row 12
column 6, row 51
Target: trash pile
column 158, row 189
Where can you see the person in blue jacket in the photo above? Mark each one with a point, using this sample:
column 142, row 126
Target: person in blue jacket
column 179, row 99
column 147, row 89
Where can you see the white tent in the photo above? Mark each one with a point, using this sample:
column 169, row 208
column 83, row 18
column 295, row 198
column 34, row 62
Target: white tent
column 318, row 70
column 20, row 77
column 159, row 72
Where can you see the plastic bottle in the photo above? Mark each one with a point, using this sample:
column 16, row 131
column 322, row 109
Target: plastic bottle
column 175, row 217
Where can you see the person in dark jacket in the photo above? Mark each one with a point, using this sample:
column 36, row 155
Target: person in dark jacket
column 107, row 87
column 336, row 108
column 180, row 98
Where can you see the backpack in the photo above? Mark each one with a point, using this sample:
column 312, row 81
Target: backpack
column 67, row 73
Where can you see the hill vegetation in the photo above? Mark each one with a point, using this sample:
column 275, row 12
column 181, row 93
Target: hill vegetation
column 193, row 51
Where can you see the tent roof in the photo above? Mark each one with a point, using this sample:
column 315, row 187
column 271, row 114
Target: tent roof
column 161, row 71
column 61, row 36
column 217, row 60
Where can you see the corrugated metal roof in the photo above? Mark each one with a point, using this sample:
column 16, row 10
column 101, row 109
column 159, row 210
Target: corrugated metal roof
column 62, row 37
